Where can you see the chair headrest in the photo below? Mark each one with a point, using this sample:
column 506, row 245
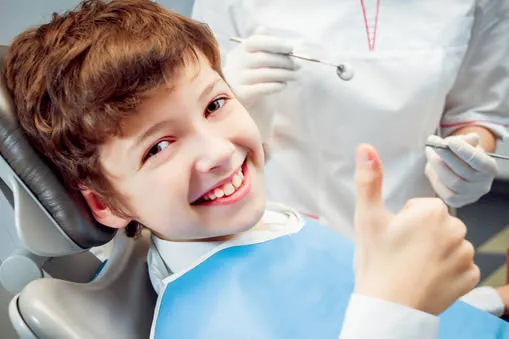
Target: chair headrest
column 68, row 209
column 119, row 303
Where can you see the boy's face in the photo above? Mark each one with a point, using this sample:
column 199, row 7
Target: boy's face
column 190, row 163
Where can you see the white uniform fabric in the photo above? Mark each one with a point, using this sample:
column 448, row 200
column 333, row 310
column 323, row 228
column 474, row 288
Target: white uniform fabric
column 434, row 66
column 385, row 319
column 485, row 298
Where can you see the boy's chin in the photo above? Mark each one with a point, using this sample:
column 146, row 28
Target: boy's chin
column 224, row 227
column 239, row 223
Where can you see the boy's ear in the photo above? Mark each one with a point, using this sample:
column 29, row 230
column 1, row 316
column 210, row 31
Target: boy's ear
column 101, row 212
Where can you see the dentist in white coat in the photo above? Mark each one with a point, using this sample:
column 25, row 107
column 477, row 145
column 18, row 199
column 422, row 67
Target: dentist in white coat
column 421, row 68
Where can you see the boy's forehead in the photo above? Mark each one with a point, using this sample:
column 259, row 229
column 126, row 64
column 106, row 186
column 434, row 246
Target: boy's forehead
column 182, row 88
column 167, row 102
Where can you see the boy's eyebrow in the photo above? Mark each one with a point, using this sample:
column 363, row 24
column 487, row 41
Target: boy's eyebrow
column 149, row 131
column 209, row 89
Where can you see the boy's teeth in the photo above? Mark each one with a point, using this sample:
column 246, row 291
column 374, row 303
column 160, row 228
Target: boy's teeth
column 228, row 189
column 237, row 181
column 219, row 193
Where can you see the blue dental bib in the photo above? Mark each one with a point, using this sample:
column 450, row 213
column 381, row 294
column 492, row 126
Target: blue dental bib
column 295, row 286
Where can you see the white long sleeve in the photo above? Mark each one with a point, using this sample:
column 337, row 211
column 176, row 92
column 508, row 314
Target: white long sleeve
column 485, row 298
column 368, row 318
column 480, row 94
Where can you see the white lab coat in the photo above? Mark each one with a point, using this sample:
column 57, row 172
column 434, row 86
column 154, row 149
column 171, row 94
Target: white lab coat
column 436, row 65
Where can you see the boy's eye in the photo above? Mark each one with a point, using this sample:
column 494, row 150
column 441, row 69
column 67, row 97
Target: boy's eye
column 160, row 146
column 214, row 106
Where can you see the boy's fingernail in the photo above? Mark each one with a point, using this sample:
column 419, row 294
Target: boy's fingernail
column 365, row 157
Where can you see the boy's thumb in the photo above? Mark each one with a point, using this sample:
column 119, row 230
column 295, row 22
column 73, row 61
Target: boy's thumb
column 368, row 179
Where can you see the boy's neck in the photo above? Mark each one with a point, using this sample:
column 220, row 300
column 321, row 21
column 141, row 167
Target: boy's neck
column 259, row 226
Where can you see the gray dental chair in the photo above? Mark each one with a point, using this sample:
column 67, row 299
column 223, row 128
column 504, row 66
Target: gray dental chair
column 52, row 276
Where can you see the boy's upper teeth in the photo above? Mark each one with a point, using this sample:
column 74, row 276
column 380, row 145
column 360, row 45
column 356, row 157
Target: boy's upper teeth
column 237, row 181
column 218, row 192
column 228, row 188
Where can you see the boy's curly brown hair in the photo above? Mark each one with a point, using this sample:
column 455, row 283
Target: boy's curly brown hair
column 75, row 79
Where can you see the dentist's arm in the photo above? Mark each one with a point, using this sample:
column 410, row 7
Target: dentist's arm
column 409, row 266
column 487, row 139
column 479, row 98
column 477, row 104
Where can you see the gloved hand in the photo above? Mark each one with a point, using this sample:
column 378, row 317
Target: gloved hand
column 461, row 174
column 256, row 68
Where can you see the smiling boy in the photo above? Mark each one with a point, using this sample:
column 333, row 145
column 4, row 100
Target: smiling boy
column 128, row 101
column 192, row 143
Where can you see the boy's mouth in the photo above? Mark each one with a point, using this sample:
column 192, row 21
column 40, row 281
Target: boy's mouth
column 227, row 190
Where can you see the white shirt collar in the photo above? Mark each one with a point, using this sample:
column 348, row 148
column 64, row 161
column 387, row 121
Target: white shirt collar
column 180, row 257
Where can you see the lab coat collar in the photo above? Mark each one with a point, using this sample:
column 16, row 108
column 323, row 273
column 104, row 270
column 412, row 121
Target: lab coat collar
column 180, row 257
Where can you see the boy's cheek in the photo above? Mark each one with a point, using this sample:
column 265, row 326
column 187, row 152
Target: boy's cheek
column 243, row 117
column 247, row 128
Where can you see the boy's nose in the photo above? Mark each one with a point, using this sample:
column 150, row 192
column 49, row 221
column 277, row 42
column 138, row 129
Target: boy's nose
column 216, row 153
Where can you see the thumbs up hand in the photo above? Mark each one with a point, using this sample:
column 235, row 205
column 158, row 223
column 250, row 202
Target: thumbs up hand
column 418, row 257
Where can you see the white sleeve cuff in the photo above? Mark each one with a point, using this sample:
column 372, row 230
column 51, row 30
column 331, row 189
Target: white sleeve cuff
column 485, row 298
column 368, row 318
column 498, row 127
